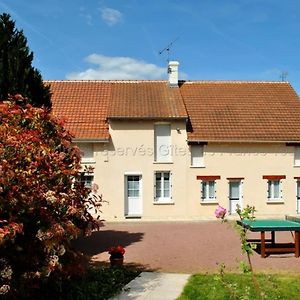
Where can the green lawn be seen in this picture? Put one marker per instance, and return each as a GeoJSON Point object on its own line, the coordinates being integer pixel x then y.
{"type": "Point", "coordinates": [210, 286]}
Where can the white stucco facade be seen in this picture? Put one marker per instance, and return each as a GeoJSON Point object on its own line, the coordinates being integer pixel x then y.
{"type": "Point", "coordinates": [130, 153]}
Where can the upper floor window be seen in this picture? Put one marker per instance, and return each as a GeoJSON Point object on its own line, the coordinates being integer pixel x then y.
{"type": "Point", "coordinates": [297, 156]}
{"type": "Point", "coordinates": [162, 143]}
{"type": "Point", "coordinates": [87, 152]}
{"type": "Point", "coordinates": [197, 156]}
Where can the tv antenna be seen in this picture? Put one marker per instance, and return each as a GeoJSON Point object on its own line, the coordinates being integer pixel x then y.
{"type": "Point", "coordinates": [283, 75]}
{"type": "Point", "coordinates": [168, 49]}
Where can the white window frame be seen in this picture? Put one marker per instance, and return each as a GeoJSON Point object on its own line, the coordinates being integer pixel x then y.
{"type": "Point", "coordinates": [83, 177]}
{"type": "Point", "coordinates": [205, 197]}
{"type": "Point", "coordinates": [197, 155]}
{"type": "Point", "coordinates": [162, 150]}
{"type": "Point", "coordinates": [163, 199]}
{"type": "Point", "coordinates": [297, 156]}
{"type": "Point", "coordinates": [271, 191]}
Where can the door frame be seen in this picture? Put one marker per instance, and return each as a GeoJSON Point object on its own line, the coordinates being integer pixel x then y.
{"type": "Point", "coordinates": [126, 202]}
{"type": "Point", "coordinates": [240, 181]}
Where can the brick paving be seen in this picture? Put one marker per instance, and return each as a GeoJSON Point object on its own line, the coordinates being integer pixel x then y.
{"type": "Point", "coordinates": [183, 247]}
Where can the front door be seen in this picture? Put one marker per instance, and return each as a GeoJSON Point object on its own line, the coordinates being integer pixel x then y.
{"type": "Point", "coordinates": [235, 195]}
{"type": "Point", "coordinates": [133, 190]}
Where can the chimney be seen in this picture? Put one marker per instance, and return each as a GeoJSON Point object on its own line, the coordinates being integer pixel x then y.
{"type": "Point", "coordinates": [173, 73]}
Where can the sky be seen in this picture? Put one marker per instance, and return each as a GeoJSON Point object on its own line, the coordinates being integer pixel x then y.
{"type": "Point", "coordinates": [122, 39]}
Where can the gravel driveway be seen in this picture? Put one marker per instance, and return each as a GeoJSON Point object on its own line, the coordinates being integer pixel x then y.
{"type": "Point", "coordinates": [184, 247]}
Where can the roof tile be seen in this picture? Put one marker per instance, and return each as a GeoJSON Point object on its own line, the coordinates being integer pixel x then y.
{"type": "Point", "coordinates": [83, 105]}
{"type": "Point", "coordinates": [146, 99]}
{"type": "Point", "coordinates": [242, 111]}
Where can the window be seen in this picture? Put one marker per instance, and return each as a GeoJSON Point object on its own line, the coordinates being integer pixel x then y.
{"type": "Point", "coordinates": [87, 179]}
{"type": "Point", "coordinates": [87, 152]}
{"type": "Point", "coordinates": [133, 186]}
{"type": "Point", "coordinates": [162, 143]}
{"type": "Point", "coordinates": [297, 156]}
{"type": "Point", "coordinates": [208, 190]}
{"type": "Point", "coordinates": [163, 187]}
{"type": "Point", "coordinates": [197, 156]}
{"type": "Point", "coordinates": [274, 189]}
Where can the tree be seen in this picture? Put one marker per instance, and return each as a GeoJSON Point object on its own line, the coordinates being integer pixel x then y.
{"type": "Point", "coordinates": [17, 75]}
{"type": "Point", "coordinates": [42, 206]}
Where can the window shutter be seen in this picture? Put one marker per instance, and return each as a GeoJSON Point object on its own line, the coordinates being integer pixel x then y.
{"type": "Point", "coordinates": [197, 155]}
{"type": "Point", "coordinates": [171, 185]}
{"type": "Point", "coordinates": [297, 156]}
{"type": "Point", "coordinates": [87, 152]}
{"type": "Point", "coordinates": [162, 134]}
{"type": "Point", "coordinates": [154, 191]}
{"type": "Point", "coordinates": [215, 189]}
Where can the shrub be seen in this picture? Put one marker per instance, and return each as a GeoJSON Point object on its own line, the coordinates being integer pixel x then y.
{"type": "Point", "coordinates": [42, 206]}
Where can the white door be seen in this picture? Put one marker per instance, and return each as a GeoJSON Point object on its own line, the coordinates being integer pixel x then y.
{"type": "Point", "coordinates": [298, 197]}
{"type": "Point", "coordinates": [134, 204]}
{"type": "Point", "coordinates": [235, 195]}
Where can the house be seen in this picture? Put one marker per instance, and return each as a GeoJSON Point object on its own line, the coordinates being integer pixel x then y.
{"type": "Point", "coordinates": [174, 150]}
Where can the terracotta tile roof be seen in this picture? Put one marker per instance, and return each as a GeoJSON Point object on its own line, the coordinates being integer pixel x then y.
{"type": "Point", "coordinates": [84, 105]}
{"type": "Point", "coordinates": [146, 99]}
{"type": "Point", "coordinates": [242, 111]}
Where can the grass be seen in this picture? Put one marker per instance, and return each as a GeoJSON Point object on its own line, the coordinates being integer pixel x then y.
{"type": "Point", "coordinates": [210, 286]}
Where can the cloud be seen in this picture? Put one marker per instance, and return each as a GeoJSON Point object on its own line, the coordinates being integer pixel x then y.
{"type": "Point", "coordinates": [85, 15]}
{"type": "Point", "coordinates": [106, 68]}
{"type": "Point", "coordinates": [111, 16]}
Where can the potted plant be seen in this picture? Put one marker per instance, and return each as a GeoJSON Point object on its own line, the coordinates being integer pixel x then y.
{"type": "Point", "coordinates": [116, 255]}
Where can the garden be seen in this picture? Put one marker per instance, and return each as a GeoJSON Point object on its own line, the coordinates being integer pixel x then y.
{"type": "Point", "coordinates": [44, 207]}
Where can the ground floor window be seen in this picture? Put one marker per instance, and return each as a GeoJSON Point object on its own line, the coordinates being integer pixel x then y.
{"type": "Point", "coordinates": [274, 189]}
{"type": "Point", "coordinates": [208, 190]}
{"type": "Point", "coordinates": [163, 186]}
{"type": "Point", "coordinates": [87, 179]}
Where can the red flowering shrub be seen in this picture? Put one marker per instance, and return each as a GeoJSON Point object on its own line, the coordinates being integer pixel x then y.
{"type": "Point", "coordinates": [42, 206]}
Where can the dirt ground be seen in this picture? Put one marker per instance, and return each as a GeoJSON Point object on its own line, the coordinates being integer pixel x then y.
{"type": "Point", "coordinates": [183, 247]}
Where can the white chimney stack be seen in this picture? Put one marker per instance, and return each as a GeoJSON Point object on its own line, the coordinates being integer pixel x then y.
{"type": "Point", "coordinates": [173, 73]}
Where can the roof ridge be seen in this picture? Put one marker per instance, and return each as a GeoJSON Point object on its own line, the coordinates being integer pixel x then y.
{"type": "Point", "coordinates": [103, 81]}
{"type": "Point", "coordinates": [233, 81]}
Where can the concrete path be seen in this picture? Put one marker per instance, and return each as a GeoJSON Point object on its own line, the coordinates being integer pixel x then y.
{"type": "Point", "coordinates": [154, 286]}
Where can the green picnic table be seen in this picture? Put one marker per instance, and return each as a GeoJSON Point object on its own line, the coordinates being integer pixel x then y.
{"type": "Point", "coordinates": [272, 226]}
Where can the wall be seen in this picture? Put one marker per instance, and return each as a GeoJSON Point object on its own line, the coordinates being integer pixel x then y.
{"type": "Point", "coordinates": [131, 150]}
{"type": "Point", "coordinates": [251, 162]}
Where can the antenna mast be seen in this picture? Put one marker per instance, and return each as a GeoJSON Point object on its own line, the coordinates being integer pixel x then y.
{"type": "Point", "coordinates": [168, 48]}
{"type": "Point", "coordinates": [283, 75]}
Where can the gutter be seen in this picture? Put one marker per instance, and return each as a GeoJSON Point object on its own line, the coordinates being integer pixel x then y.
{"type": "Point", "coordinates": [91, 140]}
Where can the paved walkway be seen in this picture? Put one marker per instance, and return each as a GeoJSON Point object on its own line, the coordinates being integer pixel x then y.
{"type": "Point", "coordinates": [154, 286]}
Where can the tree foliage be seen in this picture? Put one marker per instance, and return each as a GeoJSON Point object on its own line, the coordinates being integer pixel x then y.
{"type": "Point", "coordinates": [17, 76]}
{"type": "Point", "coordinates": [42, 206]}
